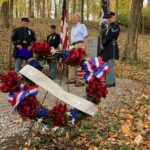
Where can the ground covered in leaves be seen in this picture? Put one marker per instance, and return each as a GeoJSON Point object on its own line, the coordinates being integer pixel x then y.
{"type": "Point", "coordinates": [141, 70]}
{"type": "Point", "coordinates": [122, 123]}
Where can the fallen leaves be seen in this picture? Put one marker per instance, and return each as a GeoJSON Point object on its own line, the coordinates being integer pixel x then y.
{"type": "Point", "coordinates": [138, 140]}
{"type": "Point", "coordinates": [126, 129]}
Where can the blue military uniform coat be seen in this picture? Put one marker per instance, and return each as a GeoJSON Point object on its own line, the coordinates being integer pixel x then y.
{"type": "Point", "coordinates": [109, 40]}
{"type": "Point", "coordinates": [22, 36]}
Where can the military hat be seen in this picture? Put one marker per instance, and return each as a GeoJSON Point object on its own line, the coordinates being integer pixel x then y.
{"type": "Point", "coordinates": [53, 27]}
{"type": "Point", "coordinates": [25, 20]}
{"type": "Point", "coordinates": [110, 14]}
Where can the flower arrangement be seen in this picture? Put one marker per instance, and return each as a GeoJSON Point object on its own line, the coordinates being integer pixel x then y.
{"type": "Point", "coordinates": [93, 72]}
{"type": "Point", "coordinates": [40, 48]}
{"type": "Point", "coordinates": [10, 82]}
{"type": "Point", "coordinates": [22, 98]}
{"type": "Point", "coordinates": [75, 56]}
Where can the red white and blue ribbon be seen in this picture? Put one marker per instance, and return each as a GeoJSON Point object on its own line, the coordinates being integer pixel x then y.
{"type": "Point", "coordinates": [101, 71]}
{"type": "Point", "coordinates": [16, 98]}
{"type": "Point", "coordinates": [88, 66]}
{"type": "Point", "coordinates": [96, 62]}
{"type": "Point", "coordinates": [95, 68]}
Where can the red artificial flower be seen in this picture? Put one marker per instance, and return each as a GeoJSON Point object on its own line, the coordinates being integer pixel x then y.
{"type": "Point", "coordinates": [97, 89]}
{"type": "Point", "coordinates": [76, 56]}
{"type": "Point", "coordinates": [10, 82]}
{"type": "Point", "coordinates": [58, 114]}
{"type": "Point", "coordinates": [28, 107]}
{"type": "Point", "coordinates": [40, 47]}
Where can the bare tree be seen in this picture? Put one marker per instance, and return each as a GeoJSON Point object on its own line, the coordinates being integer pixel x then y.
{"type": "Point", "coordinates": [74, 6]}
{"type": "Point", "coordinates": [5, 14]}
{"type": "Point", "coordinates": [30, 8]}
{"type": "Point", "coordinates": [130, 53]}
{"type": "Point", "coordinates": [87, 9]}
{"type": "Point", "coordinates": [82, 11]}
{"type": "Point", "coordinates": [43, 8]}
{"type": "Point", "coordinates": [56, 14]}
{"type": "Point", "coordinates": [116, 8]}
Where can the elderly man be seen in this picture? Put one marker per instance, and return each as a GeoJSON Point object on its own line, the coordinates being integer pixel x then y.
{"type": "Point", "coordinates": [79, 38]}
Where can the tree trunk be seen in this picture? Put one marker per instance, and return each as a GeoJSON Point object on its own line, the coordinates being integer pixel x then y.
{"type": "Point", "coordinates": [5, 14]}
{"type": "Point", "coordinates": [59, 9]}
{"type": "Point", "coordinates": [56, 15]}
{"type": "Point", "coordinates": [48, 8]}
{"type": "Point", "coordinates": [141, 23]}
{"type": "Point", "coordinates": [30, 8]}
{"type": "Point", "coordinates": [82, 11]}
{"type": "Point", "coordinates": [130, 53]}
{"type": "Point", "coordinates": [43, 8]}
{"type": "Point", "coordinates": [38, 9]}
{"type": "Point", "coordinates": [16, 12]}
{"type": "Point", "coordinates": [87, 9]}
{"type": "Point", "coordinates": [10, 28]}
{"type": "Point", "coordinates": [79, 5]}
{"type": "Point", "coordinates": [116, 8]}
{"type": "Point", "coordinates": [74, 6]}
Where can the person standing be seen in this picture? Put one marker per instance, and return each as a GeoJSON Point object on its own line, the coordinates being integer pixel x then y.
{"type": "Point", "coordinates": [110, 48]}
{"type": "Point", "coordinates": [78, 38]}
{"type": "Point", "coordinates": [21, 39]}
{"type": "Point", "coordinates": [53, 40]}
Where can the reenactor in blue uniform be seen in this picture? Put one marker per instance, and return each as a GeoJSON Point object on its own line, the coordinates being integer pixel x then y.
{"type": "Point", "coordinates": [53, 40]}
{"type": "Point", "coordinates": [110, 48]}
{"type": "Point", "coordinates": [22, 38]}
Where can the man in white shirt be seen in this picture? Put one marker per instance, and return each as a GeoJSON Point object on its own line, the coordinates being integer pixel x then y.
{"type": "Point", "coordinates": [79, 38]}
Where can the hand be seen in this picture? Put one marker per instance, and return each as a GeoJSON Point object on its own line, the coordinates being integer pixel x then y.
{"type": "Point", "coordinates": [102, 47]}
{"type": "Point", "coordinates": [83, 47]}
{"type": "Point", "coordinates": [29, 48]}
{"type": "Point", "coordinates": [19, 47]}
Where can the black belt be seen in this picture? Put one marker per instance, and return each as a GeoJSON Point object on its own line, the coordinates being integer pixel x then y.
{"type": "Point", "coordinates": [74, 43]}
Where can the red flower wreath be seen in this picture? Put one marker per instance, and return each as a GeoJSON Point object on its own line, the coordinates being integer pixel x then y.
{"type": "Point", "coordinates": [97, 89]}
{"type": "Point", "coordinates": [28, 108]}
{"type": "Point", "coordinates": [76, 56]}
{"type": "Point", "coordinates": [58, 114]}
{"type": "Point", "coordinates": [10, 82]}
{"type": "Point", "coordinates": [40, 47]}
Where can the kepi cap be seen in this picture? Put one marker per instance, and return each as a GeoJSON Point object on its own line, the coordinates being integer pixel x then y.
{"type": "Point", "coordinates": [110, 14]}
{"type": "Point", "coordinates": [25, 20]}
{"type": "Point", "coordinates": [53, 27]}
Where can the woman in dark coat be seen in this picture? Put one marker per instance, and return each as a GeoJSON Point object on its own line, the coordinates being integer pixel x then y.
{"type": "Point", "coordinates": [110, 48]}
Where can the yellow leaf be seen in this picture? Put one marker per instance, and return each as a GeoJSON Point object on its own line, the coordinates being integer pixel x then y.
{"type": "Point", "coordinates": [126, 129]}
{"type": "Point", "coordinates": [25, 148]}
{"type": "Point", "coordinates": [138, 140]}
{"type": "Point", "coordinates": [95, 148]}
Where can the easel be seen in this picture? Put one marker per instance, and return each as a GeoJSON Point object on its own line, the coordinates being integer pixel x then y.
{"type": "Point", "coordinates": [32, 122]}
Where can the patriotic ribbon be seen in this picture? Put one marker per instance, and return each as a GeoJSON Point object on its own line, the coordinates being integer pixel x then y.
{"type": "Point", "coordinates": [95, 68]}
{"type": "Point", "coordinates": [16, 98]}
{"type": "Point", "coordinates": [97, 62]}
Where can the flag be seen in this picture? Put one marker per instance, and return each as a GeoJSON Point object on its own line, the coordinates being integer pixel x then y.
{"type": "Point", "coordinates": [102, 24]}
{"type": "Point", "coordinates": [64, 28]}
{"type": "Point", "coordinates": [104, 13]}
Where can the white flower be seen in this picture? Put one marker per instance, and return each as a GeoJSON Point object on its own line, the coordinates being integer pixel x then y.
{"type": "Point", "coordinates": [55, 129]}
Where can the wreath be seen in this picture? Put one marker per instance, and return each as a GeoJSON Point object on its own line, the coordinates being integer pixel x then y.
{"type": "Point", "coordinates": [22, 95]}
